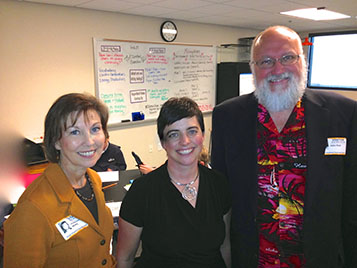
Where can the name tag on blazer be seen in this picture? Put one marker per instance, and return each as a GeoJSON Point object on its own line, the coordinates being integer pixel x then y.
{"type": "Point", "coordinates": [70, 226]}
{"type": "Point", "coordinates": [336, 146]}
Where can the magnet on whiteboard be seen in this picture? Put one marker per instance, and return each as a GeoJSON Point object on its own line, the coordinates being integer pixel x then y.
{"type": "Point", "coordinates": [137, 116]}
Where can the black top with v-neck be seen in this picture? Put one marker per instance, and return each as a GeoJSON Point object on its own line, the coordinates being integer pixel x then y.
{"type": "Point", "coordinates": [175, 234]}
{"type": "Point", "coordinates": [87, 191]}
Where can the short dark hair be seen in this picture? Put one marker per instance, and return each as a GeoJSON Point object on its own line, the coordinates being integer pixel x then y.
{"type": "Point", "coordinates": [176, 109]}
{"type": "Point", "coordinates": [70, 105]}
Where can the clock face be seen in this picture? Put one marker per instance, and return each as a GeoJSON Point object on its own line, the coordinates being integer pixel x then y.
{"type": "Point", "coordinates": [168, 31]}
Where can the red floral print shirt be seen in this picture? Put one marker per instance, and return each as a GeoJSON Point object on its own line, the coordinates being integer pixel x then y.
{"type": "Point", "coordinates": [281, 187]}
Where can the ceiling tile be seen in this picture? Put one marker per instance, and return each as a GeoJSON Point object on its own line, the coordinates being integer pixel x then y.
{"type": "Point", "coordinates": [253, 14]}
{"type": "Point", "coordinates": [151, 11]}
{"type": "Point", "coordinates": [109, 5]}
{"type": "Point", "coordinates": [182, 4]}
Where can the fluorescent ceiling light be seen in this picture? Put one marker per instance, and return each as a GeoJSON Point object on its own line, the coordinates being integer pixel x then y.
{"type": "Point", "coordinates": [319, 13]}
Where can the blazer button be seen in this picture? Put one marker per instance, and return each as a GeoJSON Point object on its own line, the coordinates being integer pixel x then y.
{"type": "Point", "coordinates": [102, 242]}
{"type": "Point", "coordinates": [104, 262]}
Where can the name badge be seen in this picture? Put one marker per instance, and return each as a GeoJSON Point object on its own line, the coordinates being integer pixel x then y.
{"type": "Point", "coordinates": [336, 146]}
{"type": "Point", "coordinates": [69, 226]}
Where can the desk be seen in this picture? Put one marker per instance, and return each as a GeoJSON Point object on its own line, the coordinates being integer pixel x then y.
{"type": "Point", "coordinates": [117, 192]}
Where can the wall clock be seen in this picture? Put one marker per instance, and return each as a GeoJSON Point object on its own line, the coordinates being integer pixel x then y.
{"type": "Point", "coordinates": [168, 31]}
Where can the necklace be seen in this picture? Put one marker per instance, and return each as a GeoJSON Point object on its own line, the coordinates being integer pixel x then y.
{"type": "Point", "coordinates": [88, 199]}
{"type": "Point", "coordinates": [189, 192]}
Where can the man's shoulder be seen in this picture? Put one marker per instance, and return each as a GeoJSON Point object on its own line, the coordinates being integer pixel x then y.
{"type": "Point", "coordinates": [329, 99]}
{"type": "Point", "coordinates": [113, 147]}
{"type": "Point", "coordinates": [113, 152]}
{"type": "Point", "coordinates": [326, 96]}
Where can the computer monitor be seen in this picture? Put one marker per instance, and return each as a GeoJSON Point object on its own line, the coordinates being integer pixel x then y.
{"type": "Point", "coordinates": [246, 83]}
{"type": "Point", "coordinates": [332, 57]}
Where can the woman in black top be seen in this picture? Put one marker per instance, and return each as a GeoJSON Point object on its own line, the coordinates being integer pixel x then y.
{"type": "Point", "coordinates": [181, 210]}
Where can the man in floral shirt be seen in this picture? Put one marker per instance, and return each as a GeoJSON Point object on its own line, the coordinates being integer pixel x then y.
{"type": "Point", "coordinates": [290, 154]}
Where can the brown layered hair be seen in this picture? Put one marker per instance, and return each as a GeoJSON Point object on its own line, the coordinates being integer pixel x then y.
{"type": "Point", "coordinates": [70, 106]}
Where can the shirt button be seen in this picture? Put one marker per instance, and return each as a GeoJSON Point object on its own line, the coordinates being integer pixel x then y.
{"type": "Point", "coordinates": [104, 262]}
{"type": "Point", "coordinates": [102, 242]}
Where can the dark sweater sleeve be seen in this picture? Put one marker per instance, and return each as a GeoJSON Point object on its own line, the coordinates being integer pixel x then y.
{"type": "Point", "coordinates": [133, 205]}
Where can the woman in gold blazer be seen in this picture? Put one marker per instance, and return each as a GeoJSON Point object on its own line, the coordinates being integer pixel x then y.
{"type": "Point", "coordinates": [61, 219]}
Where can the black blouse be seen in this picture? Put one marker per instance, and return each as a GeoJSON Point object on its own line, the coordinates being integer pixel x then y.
{"type": "Point", "coordinates": [175, 234]}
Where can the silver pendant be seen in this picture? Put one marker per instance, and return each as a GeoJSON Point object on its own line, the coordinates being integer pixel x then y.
{"type": "Point", "coordinates": [189, 193]}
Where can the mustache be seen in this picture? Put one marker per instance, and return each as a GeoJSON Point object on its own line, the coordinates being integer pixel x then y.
{"type": "Point", "coordinates": [283, 97]}
{"type": "Point", "coordinates": [277, 77]}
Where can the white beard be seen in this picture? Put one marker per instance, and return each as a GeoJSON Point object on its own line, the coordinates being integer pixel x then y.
{"type": "Point", "coordinates": [281, 99]}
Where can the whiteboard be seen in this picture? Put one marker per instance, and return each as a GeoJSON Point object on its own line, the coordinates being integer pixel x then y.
{"type": "Point", "coordinates": [134, 77]}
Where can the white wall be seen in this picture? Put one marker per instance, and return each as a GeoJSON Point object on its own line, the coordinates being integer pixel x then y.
{"type": "Point", "coordinates": [46, 51]}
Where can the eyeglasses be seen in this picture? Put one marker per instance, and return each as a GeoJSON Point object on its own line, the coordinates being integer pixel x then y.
{"type": "Point", "coordinates": [285, 60]}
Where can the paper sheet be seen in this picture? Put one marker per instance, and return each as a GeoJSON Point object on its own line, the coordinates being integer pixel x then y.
{"type": "Point", "coordinates": [108, 176]}
{"type": "Point", "coordinates": [114, 207]}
